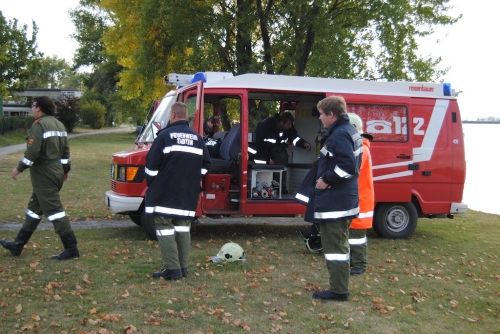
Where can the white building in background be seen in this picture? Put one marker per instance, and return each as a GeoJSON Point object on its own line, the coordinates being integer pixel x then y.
{"type": "Point", "coordinates": [16, 109]}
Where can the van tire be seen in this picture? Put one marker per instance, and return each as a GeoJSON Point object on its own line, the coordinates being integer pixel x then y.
{"type": "Point", "coordinates": [148, 225]}
{"type": "Point", "coordinates": [136, 216]}
{"type": "Point", "coordinates": [395, 220]}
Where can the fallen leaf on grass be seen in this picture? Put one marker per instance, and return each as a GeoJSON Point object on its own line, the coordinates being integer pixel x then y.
{"type": "Point", "coordinates": [19, 308]}
{"type": "Point", "coordinates": [86, 279]}
{"type": "Point", "coordinates": [130, 329]}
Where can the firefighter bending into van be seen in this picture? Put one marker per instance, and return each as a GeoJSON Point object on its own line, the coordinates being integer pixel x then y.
{"type": "Point", "coordinates": [333, 198]}
{"type": "Point", "coordinates": [47, 157]}
{"type": "Point", "coordinates": [175, 164]}
{"type": "Point", "coordinates": [271, 136]}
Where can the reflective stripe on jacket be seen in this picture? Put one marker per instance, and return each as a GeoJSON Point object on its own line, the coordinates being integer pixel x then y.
{"type": "Point", "coordinates": [174, 166]}
{"type": "Point", "coordinates": [338, 165]}
{"type": "Point", "coordinates": [47, 144]}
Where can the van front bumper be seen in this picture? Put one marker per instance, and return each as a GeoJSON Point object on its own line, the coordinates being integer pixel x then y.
{"type": "Point", "coordinates": [119, 204]}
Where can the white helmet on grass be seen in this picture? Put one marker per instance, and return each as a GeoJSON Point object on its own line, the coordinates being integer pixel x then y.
{"type": "Point", "coordinates": [231, 252]}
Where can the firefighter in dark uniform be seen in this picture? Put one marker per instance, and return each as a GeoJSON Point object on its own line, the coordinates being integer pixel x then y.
{"type": "Point", "coordinates": [47, 157]}
{"type": "Point", "coordinates": [334, 198]}
{"type": "Point", "coordinates": [271, 137]}
{"type": "Point", "coordinates": [175, 164]}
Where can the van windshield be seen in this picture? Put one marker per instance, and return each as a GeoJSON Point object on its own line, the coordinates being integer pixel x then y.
{"type": "Point", "coordinates": [158, 121]}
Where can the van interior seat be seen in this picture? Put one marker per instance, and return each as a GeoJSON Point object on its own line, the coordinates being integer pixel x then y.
{"type": "Point", "coordinates": [219, 135]}
{"type": "Point", "coordinates": [229, 150]}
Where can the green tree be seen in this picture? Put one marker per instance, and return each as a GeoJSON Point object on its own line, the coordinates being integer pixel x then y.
{"type": "Point", "coordinates": [365, 39]}
{"type": "Point", "coordinates": [17, 52]}
{"type": "Point", "coordinates": [55, 73]}
{"type": "Point", "coordinates": [90, 23]}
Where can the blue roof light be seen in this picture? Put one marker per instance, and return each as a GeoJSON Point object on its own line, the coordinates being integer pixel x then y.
{"type": "Point", "coordinates": [447, 89]}
{"type": "Point", "coordinates": [199, 76]}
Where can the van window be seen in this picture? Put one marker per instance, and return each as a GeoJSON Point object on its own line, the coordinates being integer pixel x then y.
{"type": "Point", "coordinates": [383, 122]}
{"type": "Point", "coordinates": [158, 120]}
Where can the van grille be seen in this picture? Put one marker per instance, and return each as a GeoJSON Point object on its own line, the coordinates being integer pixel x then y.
{"type": "Point", "coordinates": [112, 185]}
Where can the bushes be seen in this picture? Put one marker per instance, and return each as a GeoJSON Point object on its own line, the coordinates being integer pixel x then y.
{"type": "Point", "coordinates": [93, 113]}
{"type": "Point", "coordinates": [11, 123]}
{"type": "Point", "coordinates": [68, 112]}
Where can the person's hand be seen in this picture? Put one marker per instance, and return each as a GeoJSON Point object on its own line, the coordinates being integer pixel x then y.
{"type": "Point", "coordinates": [14, 173]}
{"type": "Point", "coordinates": [65, 178]}
{"type": "Point", "coordinates": [271, 162]}
{"type": "Point", "coordinates": [307, 146]}
{"type": "Point", "coordinates": [320, 184]}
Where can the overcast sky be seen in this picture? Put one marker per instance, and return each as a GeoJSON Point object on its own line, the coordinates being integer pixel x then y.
{"type": "Point", "coordinates": [468, 47]}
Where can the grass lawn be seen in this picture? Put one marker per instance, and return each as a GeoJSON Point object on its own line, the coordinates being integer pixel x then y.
{"type": "Point", "coordinates": [444, 279]}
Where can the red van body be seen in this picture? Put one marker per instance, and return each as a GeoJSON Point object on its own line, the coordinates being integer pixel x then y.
{"type": "Point", "coordinates": [417, 150]}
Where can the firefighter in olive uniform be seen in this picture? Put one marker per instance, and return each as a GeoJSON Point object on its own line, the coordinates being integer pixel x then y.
{"type": "Point", "coordinates": [175, 164]}
{"type": "Point", "coordinates": [47, 157]}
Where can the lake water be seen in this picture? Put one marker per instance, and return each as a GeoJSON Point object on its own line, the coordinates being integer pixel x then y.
{"type": "Point", "coordinates": [482, 183]}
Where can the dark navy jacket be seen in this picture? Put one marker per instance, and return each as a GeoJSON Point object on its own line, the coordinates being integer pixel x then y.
{"type": "Point", "coordinates": [338, 165]}
{"type": "Point", "coordinates": [175, 164]}
{"type": "Point", "coordinates": [268, 134]}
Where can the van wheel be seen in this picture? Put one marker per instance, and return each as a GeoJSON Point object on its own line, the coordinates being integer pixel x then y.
{"type": "Point", "coordinates": [136, 216]}
{"type": "Point", "coordinates": [395, 220]}
{"type": "Point", "coordinates": [148, 225]}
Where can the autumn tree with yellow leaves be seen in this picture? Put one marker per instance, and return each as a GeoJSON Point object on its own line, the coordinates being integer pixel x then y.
{"type": "Point", "coordinates": [364, 39]}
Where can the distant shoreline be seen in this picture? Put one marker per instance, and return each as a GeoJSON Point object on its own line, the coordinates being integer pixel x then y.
{"type": "Point", "coordinates": [481, 122]}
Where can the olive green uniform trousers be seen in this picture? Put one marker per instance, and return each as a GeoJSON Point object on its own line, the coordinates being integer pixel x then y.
{"type": "Point", "coordinates": [335, 242]}
{"type": "Point", "coordinates": [359, 247]}
{"type": "Point", "coordinates": [47, 180]}
{"type": "Point", "coordinates": [174, 237]}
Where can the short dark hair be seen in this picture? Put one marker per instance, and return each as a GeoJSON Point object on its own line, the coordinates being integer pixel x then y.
{"type": "Point", "coordinates": [46, 105]}
{"type": "Point", "coordinates": [333, 104]}
{"type": "Point", "coordinates": [287, 117]}
{"type": "Point", "coordinates": [210, 119]}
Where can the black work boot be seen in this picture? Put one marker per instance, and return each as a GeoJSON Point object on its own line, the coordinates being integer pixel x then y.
{"type": "Point", "coordinates": [16, 246]}
{"type": "Point", "coordinates": [329, 295]}
{"type": "Point", "coordinates": [169, 274]}
{"type": "Point", "coordinates": [70, 251]}
{"type": "Point", "coordinates": [184, 272]}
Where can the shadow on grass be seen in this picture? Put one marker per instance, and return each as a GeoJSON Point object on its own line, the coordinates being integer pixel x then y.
{"type": "Point", "coordinates": [242, 231]}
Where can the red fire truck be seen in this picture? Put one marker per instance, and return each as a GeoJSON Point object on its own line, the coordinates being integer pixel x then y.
{"type": "Point", "coordinates": [417, 149]}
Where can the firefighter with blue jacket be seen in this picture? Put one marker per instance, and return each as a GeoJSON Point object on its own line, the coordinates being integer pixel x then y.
{"type": "Point", "coordinates": [175, 164]}
{"type": "Point", "coordinates": [334, 199]}
{"type": "Point", "coordinates": [48, 159]}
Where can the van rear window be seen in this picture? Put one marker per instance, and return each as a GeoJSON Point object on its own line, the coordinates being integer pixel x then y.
{"type": "Point", "coordinates": [383, 122]}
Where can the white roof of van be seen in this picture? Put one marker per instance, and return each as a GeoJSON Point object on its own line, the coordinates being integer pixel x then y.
{"type": "Point", "coordinates": [325, 85]}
